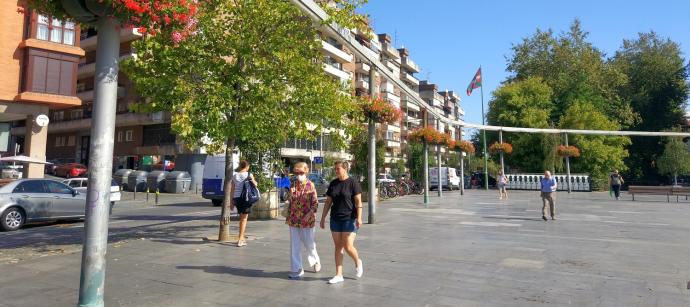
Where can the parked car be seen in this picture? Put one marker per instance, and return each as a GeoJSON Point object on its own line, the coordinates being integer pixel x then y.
{"type": "Point", "coordinates": [50, 168]}
{"type": "Point", "coordinates": [71, 170]}
{"type": "Point", "coordinates": [385, 178]}
{"type": "Point", "coordinates": [170, 166]}
{"type": "Point", "coordinates": [33, 200]}
{"type": "Point", "coordinates": [320, 184]}
{"type": "Point", "coordinates": [10, 171]}
{"type": "Point", "coordinates": [82, 184]}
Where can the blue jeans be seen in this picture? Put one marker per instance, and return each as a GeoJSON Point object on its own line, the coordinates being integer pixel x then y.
{"type": "Point", "coordinates": [343, 226]}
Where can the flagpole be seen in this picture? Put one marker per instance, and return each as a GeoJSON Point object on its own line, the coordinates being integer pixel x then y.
{"type": "Point", "coordinates": [486, 161]}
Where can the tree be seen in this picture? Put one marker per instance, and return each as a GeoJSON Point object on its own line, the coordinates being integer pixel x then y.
{"type": "Point", "coordinates": [675, 160]}
{"type": "Point", "coordinates": [657, 90]}
{"type": "Point", "coordinates": [415, 160]}
{"type": "Point", "coordinates": [359, 150]}
{"type": "Point", "coordinates": [600, 154]}
{"type": "Point", "coordinates": [250, 78]}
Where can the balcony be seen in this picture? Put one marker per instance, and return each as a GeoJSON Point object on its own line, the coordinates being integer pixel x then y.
{"type": "Point", "coordinates": [410, 65]}
{"type": "Point", "coordinates": [363, 68]}
{"type": "Point", "coordinates": [337, 54]}
{"type": "Point", "coordinates": [390, 51]}
{"type": "Point", "coordinates": [461, 111]}
{"type": "Point", "coordinates": [387, 87]}
{"type": "Point", "coordinates": [391, 128]}
{"type": "Point", "coordinates": [393, 143]}
{"type": "Point", "coordinates": [362, 84]}
{"type": "Point", "coordinates": [336, 72]}
{"type": "Point", "coordinates": [411, 106]}
{"type": "Point", "coordinates": [87, 70]}
{"type": "Point", "coordinates": [408, 78]}
{"type": "Point", "coordinates": [395, 99]}
{"type": "Point", "coordinates": [126, 35]}
{"type": "Point", "coordinates": [87, 96]}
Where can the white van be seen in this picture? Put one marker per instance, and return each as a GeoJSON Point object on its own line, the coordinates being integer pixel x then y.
{"type": "Point", "coordinates": [449, 178]}
{"type": "Point", "coordinates": [214, 177]}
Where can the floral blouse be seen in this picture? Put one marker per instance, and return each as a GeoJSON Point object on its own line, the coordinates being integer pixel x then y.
{"type": "Point", "coordinates": [303, 205]}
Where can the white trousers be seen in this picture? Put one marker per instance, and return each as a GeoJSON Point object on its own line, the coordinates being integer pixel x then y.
{"type": "Point", "coordinates": [302, 237]}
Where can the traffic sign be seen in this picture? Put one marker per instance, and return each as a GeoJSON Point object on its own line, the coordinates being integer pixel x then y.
{"type": "Point", "coordinates": [318, 160]}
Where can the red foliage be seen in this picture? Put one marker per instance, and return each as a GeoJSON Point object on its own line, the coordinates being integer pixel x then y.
{"type": "Point", "coordinates": [501, 147]}
{"type": "Point", "coordinates": [568, 151]}
{"type": "Point", "coordinates": [381, 111]}
{"type": "Point", "coordinates": [428, 134]}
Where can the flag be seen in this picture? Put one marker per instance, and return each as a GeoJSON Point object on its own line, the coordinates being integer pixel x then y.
{"type": "Point", "coordinates": [476, 82]}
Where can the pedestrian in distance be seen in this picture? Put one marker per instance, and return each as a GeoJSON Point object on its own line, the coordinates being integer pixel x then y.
{"type": "Point", "coordinates": [615, 182]}
{"type": "Point", "coordinates": [303, 202]}
{"type": "Point", "coordinates": [548, 187]}
{"type": "Point", "coordinates": [344, 202]}
{"type": "Point", "coordinates": [501, 182]}
{"type": "Point", "coordinates": [238, 179]}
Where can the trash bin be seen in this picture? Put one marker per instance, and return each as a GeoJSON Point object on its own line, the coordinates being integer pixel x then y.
{"type": "Point", "coordinates": [156, 181]}
{"type": "Point", "coordinates": [177, 182]}
{"type": "Point", "coordinates": [121, 176]}
{"type": "Point", "coordinates": [137, 179]}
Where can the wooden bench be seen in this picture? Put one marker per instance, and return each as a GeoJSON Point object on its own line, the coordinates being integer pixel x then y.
{"type": "Point", "coordinates": [650, 190]}
{"type": "Point", "coordinates": [680, 191]}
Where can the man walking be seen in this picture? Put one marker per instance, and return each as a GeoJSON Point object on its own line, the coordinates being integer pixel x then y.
{"type": "Point", "coordinates": [548, 187]}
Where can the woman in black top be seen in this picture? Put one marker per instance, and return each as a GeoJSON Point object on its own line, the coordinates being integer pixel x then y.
{"type": "Point", "coordinates": [344, 201]}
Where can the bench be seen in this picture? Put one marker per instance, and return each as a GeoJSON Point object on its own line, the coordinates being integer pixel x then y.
{"type": "Point", "coordinates": [680, 191]}
{"type": "Point", "coordinates": [650, 190]}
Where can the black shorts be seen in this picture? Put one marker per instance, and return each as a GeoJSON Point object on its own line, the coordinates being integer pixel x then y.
{"type": "Point", "coordinates": [241, 208]}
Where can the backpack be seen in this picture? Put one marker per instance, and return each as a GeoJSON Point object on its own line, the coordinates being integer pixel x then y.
{"type": "Point", "coordinates": [250, 193]}
{"type": "Point", "coordinates": [615, 179]}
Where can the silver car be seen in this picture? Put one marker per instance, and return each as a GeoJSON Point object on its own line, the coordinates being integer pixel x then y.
{"type": "Point", "coordinates": [34, 200]}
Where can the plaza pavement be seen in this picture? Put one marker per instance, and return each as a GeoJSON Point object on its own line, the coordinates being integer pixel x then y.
{"type": "Point", "coordinates": [470, 250]}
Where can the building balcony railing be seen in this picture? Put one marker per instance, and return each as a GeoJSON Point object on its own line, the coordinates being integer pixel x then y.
{"type": "Point", "coordinates": [337, 73]}
{"type": "Point", "coordinates": [363, 68]}
{"type": "Point", "coordinates": [88, 42]}
{"type": "Point", "coordinates": [394, 99]}
{"type": "Point", "coordinates": [408, 78]}
{"type": "Point", "coordinates": [337, 54]}
{"type": "Point", "coordinates": [87, 70]}
{"type": "Point", "coordinates": [390, 51]}
{"type": "Point", "coordinates": [410, 65]}
{"type": "Point", "coordinates": [362, 84]}
{"type": "Point", "coordinates": [410, 106]}
{"type": "Point", "coordinates": [87, 96]}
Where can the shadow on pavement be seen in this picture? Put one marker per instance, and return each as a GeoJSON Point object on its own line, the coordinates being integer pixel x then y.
{"type": "Point", "coordinates": [538, 219]}
{"type": "Point", "coordinates": [217, 269]}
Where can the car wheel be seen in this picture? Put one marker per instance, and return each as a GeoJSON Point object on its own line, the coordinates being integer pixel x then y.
{"type": "Point", "coordinates": [217, 202]}
{"type": "Point", "coordinates": [12, 219]}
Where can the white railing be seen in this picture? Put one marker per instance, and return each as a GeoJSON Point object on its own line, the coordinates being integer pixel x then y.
{"type": "Point", "coordinates": [578, 182]}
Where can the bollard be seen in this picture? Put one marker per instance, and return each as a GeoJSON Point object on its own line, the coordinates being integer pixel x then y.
{"type": "Point", "coordinates": [147, 194]}
{"type": "Point", "coordinates": [157, 193]}
{"type": "Point", "coordinates": [135, 191]}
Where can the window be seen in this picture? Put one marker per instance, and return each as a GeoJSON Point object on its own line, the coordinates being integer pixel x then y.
{"type": "Point", "coordinates": [56, 31]}
{"type": "Point", "coordinates": [77, 114]}
{"type": "Point", "coordinates": [119, 136]}
{"type": "Point", "coordinates": [70, 140]}
{"type": "Point", "coordinates": [75, 183]}
{"type": "Point", "coordinates": [58, 116]}
{"type": "Point", "coordinates": [129, 136]}
{"type": "Point", "coordinates": [390, 135]}
{"type": "Point", "coordinates": [57, 188]}
{"type": "Point", "coordinates": [42, 28]}
{"type": "Point", "coordinates": [32, 186]}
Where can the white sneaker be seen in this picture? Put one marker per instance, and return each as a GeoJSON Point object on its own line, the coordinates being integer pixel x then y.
{"type": "Point", "coordinates": [317, 267]}
{"type": "Point", "coordinates": [360, 269]}
{"type": "Point", "coordinates": [296, 275]}
{"type": "Point", "coordinates": [336, 280]}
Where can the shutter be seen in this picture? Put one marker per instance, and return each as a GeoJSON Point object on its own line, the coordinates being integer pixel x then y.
{"type": "Point", "coordinates": [38, 82]}
{"type": "Point", "coordinates": [66, 76]}
{"type": "Point", "coordinates": [53, 77]}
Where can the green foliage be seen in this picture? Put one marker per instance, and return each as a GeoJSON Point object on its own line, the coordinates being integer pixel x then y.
{"type": "Point", "coordinates": [253, 74]}
{"type": "Point", "coordinates": [415, 160]}
{"type": "Point", "coordinates": [360, 152]}
{"type": "Point", "coordinates": [398, 168]}
{"type": "Point", "coordinates": [675, 160]}
{"type": "Point", "coordinates": [600, 154]}
{"type": "Point", "coordinates": [657, 90]}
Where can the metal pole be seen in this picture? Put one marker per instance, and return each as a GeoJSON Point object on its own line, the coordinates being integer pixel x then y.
{"type": "Point", "coordinates": [372, 155]}
{"type": "Point", "coordinates": [438, 159]}
{"type": "Point", "coordinates": [486, 159]}
{"type": "Point", "coordinates": [426, 173]}
{"type": "Point", "coordinates": [462, 173]}
{"type": "Point", "coordinates": [500, 139]}
{"type": "Point", "coordinates": [567, 164]}
{"type": "Point", "coordinates": [92, 281]}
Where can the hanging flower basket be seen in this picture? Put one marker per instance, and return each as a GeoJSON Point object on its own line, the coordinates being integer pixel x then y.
{"type": "Point", "coordinates": [567, 151]}
{"type": "Point", "coordinates": [174, 17]}
{"type": "Point", "coordinates": [464, 146]}
{"type": "Point", "coordinates": [381, 111]}
{"type": "Point", "coordinates": [501, 147]}
{"type": "Point", "coordinates": [428, 134]}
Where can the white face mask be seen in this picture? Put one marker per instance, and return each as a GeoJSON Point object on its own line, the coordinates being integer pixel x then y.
{"type": "Point", "coordinates": [302, 178]}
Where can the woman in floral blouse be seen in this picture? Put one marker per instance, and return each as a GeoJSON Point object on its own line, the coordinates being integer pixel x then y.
{"type": "Point", "coordinates": [303, 204]}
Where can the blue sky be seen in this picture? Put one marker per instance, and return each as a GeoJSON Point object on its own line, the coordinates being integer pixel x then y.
{"type": "Point", "coordinates": [449, 39]}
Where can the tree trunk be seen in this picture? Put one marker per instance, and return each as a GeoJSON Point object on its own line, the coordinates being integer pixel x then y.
{"type": "Point", "coordinates": [675, 179]}
{"type": "Point", "coordinates": [224, 231]}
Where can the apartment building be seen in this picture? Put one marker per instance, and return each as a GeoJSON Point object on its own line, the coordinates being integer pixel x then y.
{"type": "Point", "coordinates": [39, 56]}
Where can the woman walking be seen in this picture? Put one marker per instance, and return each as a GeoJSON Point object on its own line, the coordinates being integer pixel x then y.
{"type": "Point", "coordinates": [344, 201]}
{"type": "Point", "coordinates": [615, 182]}
{"type": "Point", "coordinates": [501, 183]}
{"type": "Point", "coordinates": [241, 174]}
{"type": "Point", "coordinates": [302, 205]}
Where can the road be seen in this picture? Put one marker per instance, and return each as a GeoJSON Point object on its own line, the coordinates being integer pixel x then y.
{"type": "Point", "coordinates": [127, 223]}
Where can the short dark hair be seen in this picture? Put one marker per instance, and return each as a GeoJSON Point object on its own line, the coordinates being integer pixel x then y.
{"type": "Point", "coordinates": [342, 164]}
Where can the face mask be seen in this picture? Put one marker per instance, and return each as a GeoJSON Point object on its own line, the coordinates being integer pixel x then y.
{"type": "Point", "coordinates": [302, 178]}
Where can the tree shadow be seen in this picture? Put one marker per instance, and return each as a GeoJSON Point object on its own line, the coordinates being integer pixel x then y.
{"type": "Point", "coordinates": [217, 269]}
{"type": "Point", "coordinates": [513, 218]}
